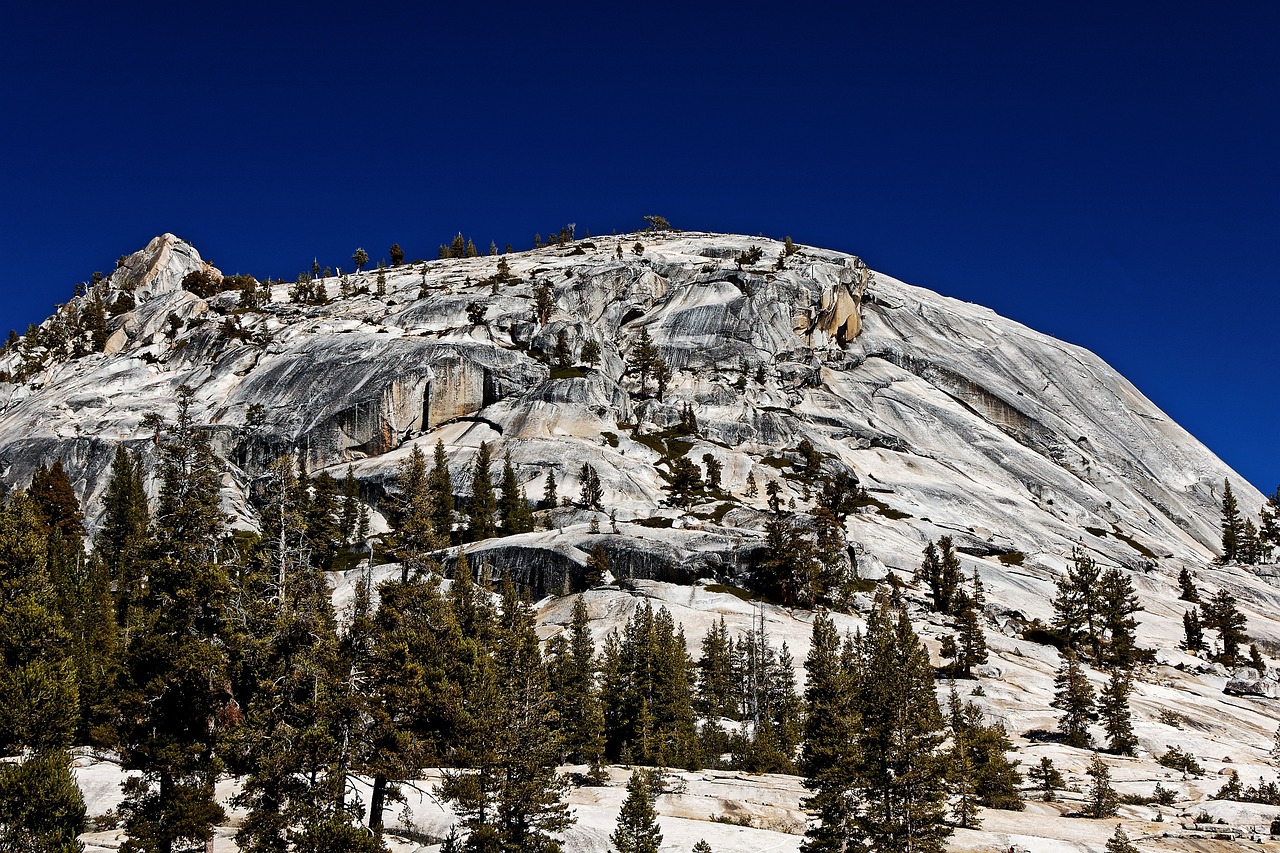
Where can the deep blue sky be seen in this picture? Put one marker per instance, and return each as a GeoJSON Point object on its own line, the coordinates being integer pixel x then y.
{"type": "Point", "coordinates": [1105, 172]}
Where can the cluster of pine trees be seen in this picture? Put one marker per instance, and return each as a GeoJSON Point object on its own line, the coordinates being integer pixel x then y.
{"type": "Point", "coordinates": [1242, 540]}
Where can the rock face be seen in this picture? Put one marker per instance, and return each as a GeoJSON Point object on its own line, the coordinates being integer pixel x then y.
{"type": "Point", "coordinates": [958, 421]}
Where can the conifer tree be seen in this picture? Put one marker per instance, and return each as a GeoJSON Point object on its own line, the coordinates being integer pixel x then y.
{"type": "Point", "coordinates": [482, 508]}
{"type": "Point", "coordinates": [1101, 800]}
{"type": "Point", "coordinates": [550, 500]}
{"type": "Point", "coordinates": [41, 808]}
{"type": "Point", "coordinates": [1119, 842]}
{"type": "Point", "coordinates": [1076, 607]}
{"type": "Point", "coordinates": [985, 763]}
{"type": "Point", "coordinates": [1193, 632]}
{"type": "Point", "coordinates": [717, 687]}
{"type": "Point", "coordinates": [591, 492]}
{"type": "Point", "coordinates": [597, 567]}
{"type": "Point", "coordinates": [900, 775]}
{"type": "Point", "coordinates": [1117, 603]}
{"type": "Point", "coordinates": [413, 517]}
{"type": "Point", "coordinates": [513, 508]}
{"type": "Point", "coordinates": [828, 760]}
{"type": "Point", "coordinates": [972, 649]}
{"type": "Point", "coordinates": [642, 357]}
{"type": "Point", "coordinates": [509, 795]}
{"type": "Point", "coordinates": [122, 539]}
{"type": "Point", "coordinates": [637, 828]}
{"type": "Point", "coordinates": [350, 507]}
{"type": "Point", "coordinates": [647, 692]}
{"type": "Point", "coordinates": [1222, 614]}
{"type": "Point", "coordinates": [1114, 710]}
{"type": "Point", "coordinates": [38, 690]}
{"type": "Point", "coordinates": [176, 684]}
{"type": "Point", "coordinates": [1231, 526]}
{"type": "Point", "coordinates": [572, 676]}
{"type": "Point", "coordinates": [440, 487]}
{"type": "Point", "coordinates": [1074, 697]}
{"type": "Point", "coordinates": [1047, 778]}
{"type": "Point", "coordinates": [1187, 585]}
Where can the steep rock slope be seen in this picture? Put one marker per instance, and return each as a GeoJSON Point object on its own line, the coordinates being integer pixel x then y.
{"type": "Point", "coordinates": [957, 421]}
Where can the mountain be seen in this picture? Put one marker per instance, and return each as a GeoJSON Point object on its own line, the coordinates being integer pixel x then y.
{"type": "Point", "coordinates": [955, 421]}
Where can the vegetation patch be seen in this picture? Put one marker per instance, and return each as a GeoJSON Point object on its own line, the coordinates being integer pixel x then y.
{"type": "Point", "coordinates": [1011, 558]}
{"type": "Point", "coordinates": [611, 438]}
{"type": "Point", "coordinates": [1135, 544]}
{"type": "Point", "coordinates": [658, 522]}
{"type": "Point", "coordinates": [561, 371]}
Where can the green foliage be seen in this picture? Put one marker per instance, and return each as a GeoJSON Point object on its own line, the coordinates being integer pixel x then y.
{"type": "Point", "coordinates": [1116, 718]}
{"type": "Point", "coordinates": [39, 694]}
{"type": "Point", "coordinates": [1193, 632]}
{"type": "Point", "coordinates": [1101, 800]}
{"type": "Point", "coordinates": [440, 491]}
{"type": "Point", "coordinates": [590, 352]}
{"type": "Point", "coordinates": [397, 255]}
{"type": "Point", "coordinates": [646, 688]}
{"type": "Point", "coordinates": [749, 257]}
{"type": "Point", "coordinates": [1179, 759]}
{"type": "Point", "coordinates": [41, 809]}
{"type": "Point", "coordinates": [514, 512]}
{"type": "Point", "coordinates": [591, 492]}
{"type": "Point", "coordinates": [637, 828]}
{"type": "Point", "coordinates": [1074, 697]}
{"type": "Point", "coordinates": [1223, 615]}
{"type": "Point", "coordinates": [571, 675]}
{"type": "Point", "coordinates": [360, 259]}
{"type": "Point", "coordinates": [1047, 778]}
{"type": "Point", "coordinates": [483, 506]}
{"type": "Point", "coordinates": [1232, 529]}
{"type": "Point", "coordinates": [643, 357]}
{"type": "Point", "coordinates": [1120, 843]}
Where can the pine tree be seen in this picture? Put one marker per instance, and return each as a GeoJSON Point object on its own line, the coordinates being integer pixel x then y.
{"type": "Point", "coordinates": [561, 352]}
{"type": "Point", "coordinates": [701, 847]}
{"type": "Point", "coordinates": [513, 508]}
{"type": "Point", "coordinates": [509, 796]}
{"type": "Point", "coordinates": [685, 481]}
{"type": "Point", "coordinates": [986, 766]}
{"type": "Point", "coordinates": [350, 507]}
{"type": "Point", "coordinates": [716, 677]}
{"type": "Point", "coordinates": [590, 352]}
{"type": "Point", "coordinates": [591, 492]}
{"type": "Point", "coordinates": [752, 488]}
{"type": "Point", "coordinates": [1101, 800]}
{"type": "Point", "coordinates": [642, 357]}
{"type": "Point", "coordinates": [1117, 603]}
{"type": "Point", "coordinates": [1222, 614]}
{"type": "Point", "coordinates": [1231, 526]}
{"type": "Point", "coordinates": [38, 690]}
{"type": "Point", "coordinates": [828, 760]}
{"type": "Point", "coordinates": [1193, 632]}
{"type": "Point", "coordinates": [1074, 696]}
{"type": "Point", "coordinates": [544, 302]}
{"type": "Point", "coordinates": [900, 774]}
{"type": "Point", "coordinates": [483, 506]}
{"type": "Point", "coordinates": [662, 375]}
{"type": "Point", "coordinates": [122, 539]}
{"type": "Point", "coordinates": [413, 519]}
{"type": "Point", "coordinates": [972, 649]}
{"type": "Point", "coordinates": [440, 487]}
{"type": "Point", "coordinates": [572, 678]}
{"type": "Point", "coordinates": [397, 255]}
{"type": "Point", "coordinates": [714, 468]}
{"type": "Point", "coordinates": [41, 808]}
{"type": "Point", "coordinates": [1077, 605]}
{"type": "Point", "coordinates": [550, 500]}
{"type": "Point", "coordinates": [597, 567]}
{"type": "Point", "coordinates": [1119, 842]}
{"type": "Point", "coordinates": [176, 684]}
{"type": "Point", "coordinates": [637, 829]}
{"type": "Point", "coordinates": [1114, 710]}
{"type": "Point", "coordinates": [1187, 585]}
{"type": "Point", "coordinates": [1047, 778]}
{"type": "Point", "coordinates": [360, 258]}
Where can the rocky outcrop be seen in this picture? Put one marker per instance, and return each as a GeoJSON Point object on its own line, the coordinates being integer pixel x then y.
{"type": "Point", "coordinates": [960, 422]}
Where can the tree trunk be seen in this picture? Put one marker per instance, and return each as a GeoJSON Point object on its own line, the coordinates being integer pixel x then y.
{"type": "Point", "coordinates": [377, 801]}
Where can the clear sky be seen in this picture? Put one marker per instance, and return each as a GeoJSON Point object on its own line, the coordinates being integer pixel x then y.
{"type": "Point", "coordinates": [1108, 173]}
